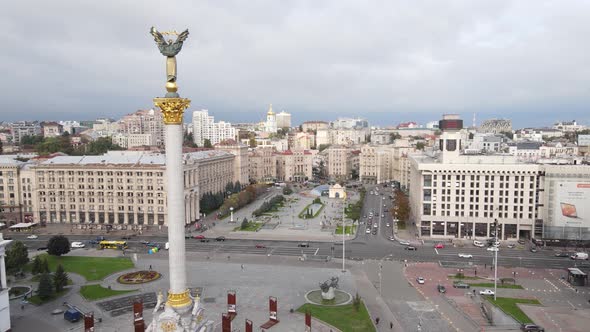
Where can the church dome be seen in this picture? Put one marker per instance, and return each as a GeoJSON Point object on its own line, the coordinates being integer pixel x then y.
{"type": "Point", "coordinates": [270, 112]}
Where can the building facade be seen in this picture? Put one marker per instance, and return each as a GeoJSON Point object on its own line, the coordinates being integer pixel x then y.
{"type": "Point", "coordinates": [24, 128]}
{"type": "Point", "coordinates": [283, 120]}
{"type": "Point", "coordinates": [270, 126]}
{"type": "Point", "coordinates": [294, 166]}
{"type": "Point", "coordinates": [143, 122]}
{"type": "Point", "coordinates": [51, 129]}
{"type": "Point", "coordinates": [205, 128]}
{"type": "Point", "coordinates": [241, 160]}
{"type": "Point", "coordinates": [263, 165]}
{"type": "Point", "coordinates": [10, 190]}
{"type": "Point", "coordinates": [339, 162]}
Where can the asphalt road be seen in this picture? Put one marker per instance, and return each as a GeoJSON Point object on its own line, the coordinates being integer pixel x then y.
{"type": "Point", "coordinates": [365, 246]}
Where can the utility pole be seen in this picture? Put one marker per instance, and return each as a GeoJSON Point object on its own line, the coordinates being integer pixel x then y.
{"type": "Point", "coordinates": [380, 276]}
{"type": "Point", "coordinates": [343, 229]}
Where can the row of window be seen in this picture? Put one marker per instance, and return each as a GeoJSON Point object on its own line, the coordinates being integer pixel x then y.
{"type": "Point", "coordinates": [98, 173]}
{"type": "Point", "coordinates": [102, 208]}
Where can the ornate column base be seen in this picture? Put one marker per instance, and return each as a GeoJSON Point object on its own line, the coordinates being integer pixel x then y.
{"type": "Point", "coordinates": [178, 316]}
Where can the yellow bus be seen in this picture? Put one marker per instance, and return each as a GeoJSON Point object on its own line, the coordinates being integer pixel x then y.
{"type": "Point", "coordinates": [120, 245]}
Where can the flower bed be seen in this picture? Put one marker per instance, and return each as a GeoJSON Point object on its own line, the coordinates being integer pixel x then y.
{"type": "Point", "coordinates": [138, 277]}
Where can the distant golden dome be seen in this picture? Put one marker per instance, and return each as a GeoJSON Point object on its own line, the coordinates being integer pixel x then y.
{"type": "Point", "coordinates": [270, 112]}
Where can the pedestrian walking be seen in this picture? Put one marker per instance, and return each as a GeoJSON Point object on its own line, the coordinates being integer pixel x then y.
{"type": "Point", "coordinates": [377, 321]}
{"type": "Point", "coordinates": [242, 267]}
{"type": "Point", "coordinates": [150, 267]}
{"type": "Point", "coordinates": [391, 325]}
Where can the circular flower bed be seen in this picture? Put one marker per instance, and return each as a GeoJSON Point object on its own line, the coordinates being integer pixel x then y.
{"type": "Point", "coordinates": [138, 277]}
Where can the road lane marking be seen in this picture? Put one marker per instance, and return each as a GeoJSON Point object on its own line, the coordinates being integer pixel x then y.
{"type": "Point", "coordinates": [436, 251]}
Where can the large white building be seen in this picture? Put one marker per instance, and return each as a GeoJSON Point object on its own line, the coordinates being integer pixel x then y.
{"type": "Point", "coordinates": [454, 195]}
{"type": "Point", "coordinates": [283, 120]}
{"type": "Point", "coordinates": [205, 127]}
{"type": "Point", "coordinates": [142, 122]}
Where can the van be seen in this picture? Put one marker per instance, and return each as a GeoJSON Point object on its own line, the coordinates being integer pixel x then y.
{"type": "Point", "coordinates": [167, 246]}
{"type": "Point", "coordinates": [580, 256]}
{"type": "Point", "coordinates": [478, 244]}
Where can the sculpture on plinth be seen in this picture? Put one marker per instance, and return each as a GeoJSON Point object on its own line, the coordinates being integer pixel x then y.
{"type": "Point", "coordinates": [328, 287]}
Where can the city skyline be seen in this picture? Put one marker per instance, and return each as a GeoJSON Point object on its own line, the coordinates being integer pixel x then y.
{"type": "Point", "coordinates": [396, 62]}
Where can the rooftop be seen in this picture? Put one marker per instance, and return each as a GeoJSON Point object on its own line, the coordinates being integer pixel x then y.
{"type": "Point", "coordinates": [131, 158]}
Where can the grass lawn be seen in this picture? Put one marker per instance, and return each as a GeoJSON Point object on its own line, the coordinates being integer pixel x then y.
{"type": "Point", "coordinates": [464, 277]}
{"type": "Point", "coordinates": [36, 300]}
{"type": "Point", "coordinates": [252, 227]}
{"type": "Point", "coordinates": [491, 285]}
{"type": "Point", "coordinates": [508, 305]}
{"type": "Point", "coordinates": [91, 268]}
{"type": "Point", "coordinates": [343, 317]}
{"type": "Point", "coordinates": [348, 230]}
{"type": "Point", "coordinates": [97, 292]}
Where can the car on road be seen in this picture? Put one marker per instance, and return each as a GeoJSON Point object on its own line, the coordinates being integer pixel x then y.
{"type": "Point", "coordinates": [77, 245]}
{"type": "Point", "coordinates": [220, 238]}
{"type": "Point", "coordinates": [32, 236]}
{"type": "Point", "coordinates": [493, 249]}
{"type": "Point", "coordinates": [391, 238]}
{"type": "Point", "coordinates": [410, 248]}
{"type": "Point", "coordinates": [388, 225]}
{"type": "Point", "coordinates": [562, 254]}
{"type": "Point", "coordinates": [511, 246]}
{"type": "Point", "coordinates": [521, 241]}
{"type": "Point", "coordinates": [365, 216]}
{"type": "Point", "coordinates": [420, 280]}
{"type": "Point", "coordinates": [439, 246]}
{"type": "Point", "coordinates": [441, 289]}
{"type": "Point", "coordinates": [260, 246]}
{"type": "Point", "coordinates": [199, 237]}
{"type": "Point", "coordinates": [205, 239]}
{"type": "Point", "coordinates": [531, 328]}
{"type": "Point", "coordinates": [459, 284]}
{"type": "Point", "coordinates": [404, 243]}
{"type": "Point", "coordinates": [125, 237]}
{"type": "Point", "coordinates": [478, 244]}
{"type": "Point", "coordinates": [375, 225]}
{"type": "Point", "coordinates": [374, 232]}
{"type": "Point", "coordinates": [368, 231]}
{"type": "Point", "coordinates": [465, 255]}
{"type": "Point", "coordinates": [143, 242]}
{"type": "Point", "coordinates": [533, 249]}
{"type": "Point", "coordinates": [486, 292]}
{"type": "Point", "coordinates": [303, 245]}
{"type": "Point", "coordinates": [383, 216]}
{"type": "Point", "coordinates": [41, 248]}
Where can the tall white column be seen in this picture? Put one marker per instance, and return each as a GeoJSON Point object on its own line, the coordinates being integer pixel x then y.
{"type": "Point", "coordinates": [176, 208]}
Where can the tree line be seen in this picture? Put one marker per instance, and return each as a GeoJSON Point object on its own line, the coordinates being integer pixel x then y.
{"type": "Point", "coordinates": [63, 144]}
{"type": "Point", "coordinates": [268, 205]}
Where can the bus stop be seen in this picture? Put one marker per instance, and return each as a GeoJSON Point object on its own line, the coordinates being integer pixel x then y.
{"type": "Point", "coordinates": [576, 277]}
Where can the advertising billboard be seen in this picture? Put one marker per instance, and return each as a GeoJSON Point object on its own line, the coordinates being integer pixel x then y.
{"type": "Point", "coordinates": [572, 204]}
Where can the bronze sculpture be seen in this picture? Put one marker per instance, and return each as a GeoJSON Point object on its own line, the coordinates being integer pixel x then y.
{"type": "Point", "coordinates": [169, 49]}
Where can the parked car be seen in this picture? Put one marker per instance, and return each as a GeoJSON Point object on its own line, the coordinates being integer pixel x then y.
{"type": "Point", "coordinates": [441, 289]}
{"type": "Point", "coordinates": [199, 237]}
{"type": "Point", "coordinates": [404, 243]}
{"type": "Point", "coordinates": [531, 328]}
{"type": "Point", "coordinates": [492, 249]}
{"type": "Point", "coordinates": [368, 231]}
{"type": "Point", "coordinates": [78, 245]}
{"type": "Point", "coordinates": [374, 232]}
{"type": "Point", "coordinates": [303, 245]}
{"type": "Point", "coordinates": [205, 239]}
{"type": "Point", "coordinates": [478, 244]}
{"type": "Point", "coordinates": [439, 246]}
{"type": "Point", "coordinates": [220, 238]}
{"type": "Point", "coordinates": [460, 284]}
{"type": "Point", "coordinates": [142, 242]}
{"type": "Point", "coordinates": [260, 246]}
{"type": "Point", "coordinates": [420, 280]}
{"type": "Point", "coordinates": [486, 292]}
{"type": "Point", "coordinates": [125, 237]}
{"type": "Point", "coordinates": [411, 248]}
{"type": "Point", "coordinates": [32, 236]}
{"type": "Point", "coordinates": [521, 241]}
{"type": "Point", "coordinates": [465, 255]}
{"type": "Point", "coordinates": [511, 246]}
{"type": "Point", "coordinates": [388, 225]}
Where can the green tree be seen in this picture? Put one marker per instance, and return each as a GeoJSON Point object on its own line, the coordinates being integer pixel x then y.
{"type": "Point", "coordinates": [188, 140]}
{"type": "Point", "coordinates": [17, 256]}
{"type": "Point", "coordinates": [60, 278]}
{"type": "Point", "coordinates": [36, 268]}
{"type": "Point", "coordinates": [44, 267]}
{"type": "Point", "coordinates": [31, 140]}
{"type": "Point", "coordinates": [207, 143]}
{"type": "Point", "coordinates": [420, 146]}
{"type": "Point", "coordinates": [101, 146]}
{"type": "Point", "coordinates": [54, 144]}
{"type": "Point", "coordinates": [356, 302]}
{"type": "Point", "coordinates": [252, 142]}
{"type": "Point", "coordinates": [244, 223]}
{"type": "Point", "coordinates": [287, 190]}
{"type": "Point", "coordinates": [45, 290]}
{"type": "Point", "coordinates": [322, 147]}
{"type": "Point", "coordinates": [58, 245]}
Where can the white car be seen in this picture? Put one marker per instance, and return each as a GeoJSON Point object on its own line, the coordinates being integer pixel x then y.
{"type": "Point", "coordinates": [368, 231]}
{"type": "Point", "coordinates": [78, 245]}
{"type": "Point", "coordinates": [404, 243]}
{"type": "Point", "coordinates": [388, 225]}
{"type": "Point", "coordinates": [492, 249]}
{"type": "Point", "coordinates": [375, 225]}
{"type": "Point", "coordinates": [32, 236]}
{"type": "Point", "coordinates": [391, 238]}
{"type": "Point", "coordinates": [420, 280]}
{"type": "Point", "coordinates": [466, 255]}
{"type": "Point", "coordinates": [486, 292]}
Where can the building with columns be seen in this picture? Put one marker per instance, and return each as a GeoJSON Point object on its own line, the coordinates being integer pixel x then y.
{"type": "Point", "coordinates": [241, 162]}
{"type": "Point", "coordinates": [339, 162]}
{"type": "Point", "coordinates": [263, 165]}
{"type": "Point", "coordinates": [10, 193]}
{"type": "Point", "coordinates": [294, 166]}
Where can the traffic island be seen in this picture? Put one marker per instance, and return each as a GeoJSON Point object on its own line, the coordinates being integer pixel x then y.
{"type": "Point", "coordinates": [138, 277]}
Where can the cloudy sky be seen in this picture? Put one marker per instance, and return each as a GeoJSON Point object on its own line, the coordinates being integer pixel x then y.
{"type": "Point", "coordinates": [388, 61]}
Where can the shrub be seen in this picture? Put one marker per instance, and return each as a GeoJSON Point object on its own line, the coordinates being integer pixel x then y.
{"type": "Point", "coordinates": [45, 290]}
{"type": "Point", "coordinates": [58, 245]}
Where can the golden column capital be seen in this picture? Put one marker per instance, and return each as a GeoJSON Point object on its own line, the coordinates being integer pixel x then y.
{"type": "Point", "coordinates": [172, 109]}
{"type": "Point", "coordinates": [179, 300]}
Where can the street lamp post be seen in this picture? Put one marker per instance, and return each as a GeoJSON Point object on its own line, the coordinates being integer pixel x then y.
{"type": "Point", "coordinates": [231, 214]}
{"type": "Point", "coordinates": [380, 277]}
{"type": "Point", "coordinates": [343, 229]}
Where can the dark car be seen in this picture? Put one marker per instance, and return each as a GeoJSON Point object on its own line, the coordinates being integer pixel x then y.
{"type": "Point", "coordinates": [531, 328]}
{"type": "Point", "coordinates": [562, 254]}
{"type": "Point", "coordinates": [441, 289]}
{"type": "Point", "coordinates": [220, 238]}
{"type": "Point", "coordinates": [204, 239]}
{"type": "Point", "coordinates": [460, 285]}
{"type": "Point", "coordinates": [303, 245]}
{"type": "Point", "coordinates": [41, 248]}
{"type": "Point", "coordinates": [534, 249]}
{"type": "Point", "coordinates": [260, 246]}
{"type": "Point", "coordinates": [125, 237]}
{"type": "Point", "coordinates": [410, 248]}
{"type": "Point", "coordinates": [521, 241]}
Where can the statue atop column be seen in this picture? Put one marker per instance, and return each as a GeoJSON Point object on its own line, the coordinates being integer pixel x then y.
{"type": "Point", "coordinates": [170, 49]}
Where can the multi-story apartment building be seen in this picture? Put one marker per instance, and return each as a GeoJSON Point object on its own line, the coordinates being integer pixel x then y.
{"type": "Point", "coordinates": [385, 163]}
{"type": "Point", "coordinates": [130, 141]}
{"type": "Point", "coordinates": [341, 136]}
{"type": "Point", "coordinates": [107, 127]}
{"type": "Point", "coordinates": [241, 161]}
{"type": "Point", "coordinates": [10, 190]}
{"type": "Point", "coordinates": [314, 126]}
{"type": "Point", "coordinates": [24, 128]}
{"type": "Point", "coordinates": [339, 162]}
{"type": "Point", "coordinates": [145, 122]}
{"type": "Point", "coordinates": [569, 126]}
{"type": "Point", "coordinates": [294, 166]}
{"type": "Point", "coordinates": [455, 195]}
{"type": "Point", "coordinates": [263, 164]}
{"type": "Point", "coordinates": [301, 141]}
{"type": "Point", "coordinates": [51, 129]}
{"type": "Point", "coordinates": [205, 128]}
{"type": "Point", "coordinates": [283, 120]}
{"type": "Point", "coordinates": [495, 126]}
{"type": "Point", "coordinates": [350, 123]}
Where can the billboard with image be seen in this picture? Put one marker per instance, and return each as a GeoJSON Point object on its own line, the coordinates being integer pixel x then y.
{"type": "Point", "coordinates": [572, 204]}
